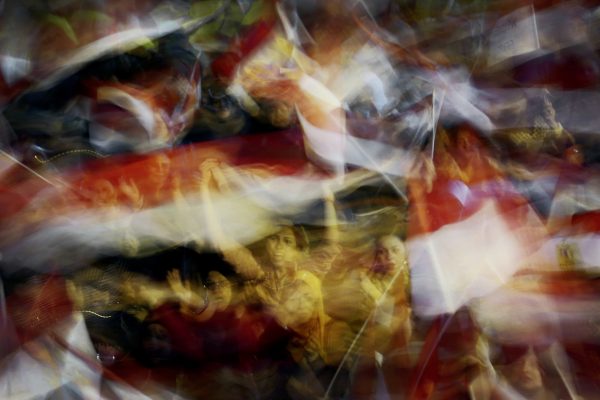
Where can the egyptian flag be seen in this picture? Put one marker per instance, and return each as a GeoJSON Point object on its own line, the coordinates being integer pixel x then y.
{"type": "Point", "coordinates": [574, 217]}
{"type": "Point", "coordinates": [469, 233]}
{"type": "Point", "coordinates": [469, 229]}
{"type": "Point", "coordinates": [153, 201]}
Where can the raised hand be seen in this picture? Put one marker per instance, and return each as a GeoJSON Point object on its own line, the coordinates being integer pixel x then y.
{"type": "Point", "coordinates": [205, 174]}
{"type": "Point", "coordinates": [131, 191]}
{"type": "Point", "coordinates": [220, 178]}
{"type": "Point", "coordinates": [176, 284]}
{"type": "Point", "coordinates": [209, 165]}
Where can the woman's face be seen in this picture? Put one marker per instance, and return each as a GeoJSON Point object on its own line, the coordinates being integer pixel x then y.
{"type": "Point", "coordinates": [219, 290]}
{"type": "Point", "coordinates": [390, 254]}
{"type": "Point", "coordinates": [525, 373]}
{"type": "Point", "coordinates": [282, 248]}
{"type": "Point", "coordinates": [159, 168]}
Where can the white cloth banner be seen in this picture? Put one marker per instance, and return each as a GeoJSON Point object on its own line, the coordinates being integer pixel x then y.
{"type": "Point", "coordinates": [462, 261]}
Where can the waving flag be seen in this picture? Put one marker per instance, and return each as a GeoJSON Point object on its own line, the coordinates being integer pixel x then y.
{"type": "Point", "coordinates": [469, 232]}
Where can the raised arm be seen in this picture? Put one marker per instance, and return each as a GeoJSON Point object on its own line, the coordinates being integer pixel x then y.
{"type": "Point", "coordinates": [234, 253]}
{"type": "Point", "coordinates": [321, 258]}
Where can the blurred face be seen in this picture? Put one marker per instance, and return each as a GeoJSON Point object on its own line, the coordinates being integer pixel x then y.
{"type": "Point", "coordinates": [219, 290]}
{"type": "Point", "coordinates": [468, 142]}
{"type": "Point", "coordinates": [282, 248]}
{"type": "Point", "coordinates": [525, 373]}
{"type": "Point", "coordinates": [159, 168]}
{"type": "Point", "coordinates": [301, 304]}
{"type": "Point", "coordinates": [105, 193]}
{"type": "Point", "coordinates": [390, 254]}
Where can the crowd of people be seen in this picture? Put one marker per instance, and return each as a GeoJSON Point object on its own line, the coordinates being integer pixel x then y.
{"type": "Point", "coordinates": [296, 315]}
{"type": "Point", "coordinates": [281, 199]}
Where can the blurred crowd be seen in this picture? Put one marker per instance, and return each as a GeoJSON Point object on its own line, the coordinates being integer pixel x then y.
{"type": "Point", "coordinates": [263, 199]}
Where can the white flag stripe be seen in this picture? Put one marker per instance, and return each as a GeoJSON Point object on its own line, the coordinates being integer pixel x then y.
{"type": "Point", "coordinates": [463, 261]}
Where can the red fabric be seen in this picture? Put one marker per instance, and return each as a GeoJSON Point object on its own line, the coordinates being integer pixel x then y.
{"type": "Point", "coordinates": [281, 153]}
{"type": "Point", "coordinates": [465, 179]}
{"type": "Point", "coordinates": [36, 307]}
{"type": "Point", "coordinates": [224, 338]}
{"type": "Point", "coordinates": [462, 169]}
{"type": "Point", "coordinates": [225, 65]}
{"type": "Point", "coordinates": [185, 334]}
{"type": "Point", "coordinates": [449, 338]}
{"type": "Point", "coordinates": [586, 222]}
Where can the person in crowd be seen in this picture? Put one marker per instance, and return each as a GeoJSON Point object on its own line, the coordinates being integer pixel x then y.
{"type": "Point", "coordinates": [225, 348]}
{"type": "Point", "coordinates": [284, 253]}
{"type": "Point", "coordinates": [370, 314]}
{"type": "Point", "coordinates": [521, 374]}
{"type": "Point", "coordinates": [454, 360]}
{"type": "Point", "coordinates": [303, 314]}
